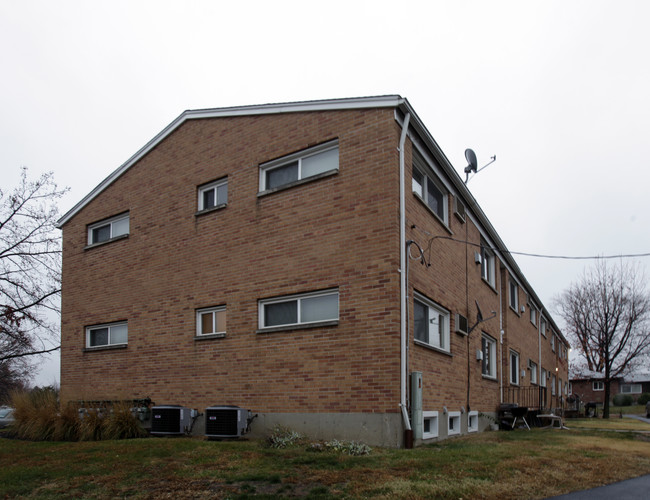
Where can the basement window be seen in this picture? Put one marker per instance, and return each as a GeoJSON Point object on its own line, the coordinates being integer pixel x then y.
{"type": "Point", "coordinates": [298, 310]}
{"type": "Point", "coordinates": [430, 424]}
{"type": "Point", "coordinates": [472, 421]}
{"type": "Point", "coordinates": [301, 166]}
{"type": "Point", "coordinates": [453, 423]}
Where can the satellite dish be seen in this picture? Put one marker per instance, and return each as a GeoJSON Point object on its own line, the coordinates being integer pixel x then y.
{"type": "Point", "coordinates": [479, 315]}
{"type": "Point", "coordinates": [470, 156]}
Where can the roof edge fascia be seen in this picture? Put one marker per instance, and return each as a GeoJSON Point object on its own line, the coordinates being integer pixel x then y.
{"type": "Point", "coordinates": [387, 101]}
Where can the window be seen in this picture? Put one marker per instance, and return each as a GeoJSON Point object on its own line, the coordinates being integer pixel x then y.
{"type": "Point", "coordinates": [430, 424]}
{"type": "Point", "coordinates": [570, 390]}
{"type": "Point", "coordinates": [553, 342]}
{"type": "Point", "coordinates": [299, 309]}
{"type": "Point", "coordinates": [631, 388]}
{"type": "Point", "coordinates": [213, 195]}
{"type": "Point", "coordinates": [553, 379]}
{"type": "Point", "coordinates": [514, 368]}
{"type": "Point", "coordinates": [566, 388]}
{"type": "Point", "coordinates": [299, 166]}
{"type": "Point", "coordinates": [429, 189]}
{"type": "Point", "coordinates": [533, 315]}
{"type": "Point", "coordinates": [453, 423]}
{"type": "Point", "coordinates": [431, 324]}
{"type": "Point", "coordinates": [598, 385]}
{"type": "Point", "coordinates": [542, 326]}
{"type": "Point", "coordinates": [472, 421]}
{"type": "Point", "coordinates": [559, 386]}
{"type": "Point", "coordinates": [514, 295]}
{"type": "Point", "coordinates": [487, 264]}
{"type": "Point", "coordinates": [542, 378]}
{"type": "Point", "coordinates": [211, 321]}
{"type": "Point", "coordinates": [108, 229]}
{"type": "Point", "coordinates": [107, 335]}
{"type": "Point", "coordinates": [489, 364]}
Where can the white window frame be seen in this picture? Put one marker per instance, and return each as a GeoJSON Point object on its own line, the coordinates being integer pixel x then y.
{"type": "Point", "coordinates": [514, 367]}
{"type": "Point", "coordinates": [552, 340]}
{"type": "Point", "coordinates": [432, 417]}
{"type": "Point", "coordinates": [631, 388]}
{"type": "Point", "coordinates": [298, 298]}
{"type": "Point", "coordinates": [542, 377]}
{"type": "Point", "coordinates": [533, 314]}
{"type": "Point", "coordinates": [542, 326]}
{"type": "Point", "coordinates": [492, 353]}
{"type": "Point", "coordinates": [111, 222]}
{"type": "Point", "coordinates": [598, 385]}
{"type": "Point", "coordinates": [298, 157]}
{"type": "Point", "coordinates": [453, 423]}
{"type": "Point", "coordinates": [513, 292]}
{"type": "Point", "coordinates": [212, 186]}
{"type": "Point", "coordinates": [553, 384]}
{"type": "Point", "coordinates": [199, 323]}
{"type": "Point", "coordinates": [109, 326]}
{"type": "Point", "coordinates": [422, 189]}
{"type": "Point", "coordinates": [472, 421]}
{"type": "Point", "coordinates": [433, 311]}
{"type": "Point", "coordinates": [488, 265]}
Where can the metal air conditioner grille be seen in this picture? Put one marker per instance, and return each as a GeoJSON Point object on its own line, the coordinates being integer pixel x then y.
{"type": "Point", "coordinates": [166, 420]}
{"type": "Point", "coordinates": [222, 422]}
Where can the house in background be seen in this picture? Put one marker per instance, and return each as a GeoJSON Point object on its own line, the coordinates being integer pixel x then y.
{"type": "Point", "coordinates": [590, 386]}
{"type": "Point", "coordinates": [320, 263]}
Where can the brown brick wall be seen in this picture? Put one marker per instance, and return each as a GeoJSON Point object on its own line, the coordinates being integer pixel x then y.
{"type": "Point", "coordinates": [340, 231]}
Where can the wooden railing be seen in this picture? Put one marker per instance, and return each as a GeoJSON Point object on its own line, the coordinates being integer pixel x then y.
{"type": "Point", "coordinates": [534, 397]}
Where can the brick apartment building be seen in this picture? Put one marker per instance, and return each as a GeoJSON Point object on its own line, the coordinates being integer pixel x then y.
{"type": "Point", "coordinates": [589, 387]}
{"type": "Point", "coordinates": [320, 263]}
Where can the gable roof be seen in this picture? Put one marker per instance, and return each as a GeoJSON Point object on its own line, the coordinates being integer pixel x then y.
{"type": "Point", "coordinates": [388, 101]}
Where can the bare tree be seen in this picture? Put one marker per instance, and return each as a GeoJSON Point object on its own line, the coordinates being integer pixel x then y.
{"type": "Point", "coordinates": [607, 317]}
{"type": "Point", "coordinates": [30, 273]}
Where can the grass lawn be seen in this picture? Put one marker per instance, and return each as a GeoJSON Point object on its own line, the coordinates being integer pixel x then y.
{"type": "Point", "coordinates": [518, 464]}
{"type": "Point", "coordinates": [612, 423]}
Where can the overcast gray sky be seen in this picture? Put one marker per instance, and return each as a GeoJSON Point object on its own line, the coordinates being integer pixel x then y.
{"type": "Point", "coordinates": [558, 90]}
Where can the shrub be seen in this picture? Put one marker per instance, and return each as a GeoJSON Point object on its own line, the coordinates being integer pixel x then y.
{"type": "Point", "coordinates": [623, 400]}
{"type": "Point", "coordinates": [35, 414]}
{"type": "Point", "coordinates": [120, 423]}
{"type": "Point", "coordinates": [348, 447]}
{"type": "Point", "coordinates": [282, 437]}
{"type": "Point", "coordinates": [643, 398]}
{"type": "Point", "coordinates": [90, 425]}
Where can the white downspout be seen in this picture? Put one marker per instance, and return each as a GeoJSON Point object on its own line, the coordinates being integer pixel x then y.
{"type": "Point", "coordinates": [402, 270]}
{"type": "Point", "coordinates": [501, 333]}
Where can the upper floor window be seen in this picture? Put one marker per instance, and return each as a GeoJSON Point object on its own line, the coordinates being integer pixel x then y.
{"type": "Point", "coordinates": [542, 326]}
{"type": "Point", "coordinates": [294, 310]}
{"type": "Point", "coordinates": [213, 194]}
{"type": "Point", "coordinates": [514, 368]}
{"type": "Point", "coordinates": [107, 335]}
{"type": "Point", "coordinates": [489, 362]}
{"type": "Point", "coordinates": [108, 229]}
{"type": "Point", "coordinates": [514, 295]}
{"type": "Point", "coordinates": [299, 166]}
{"type": "Point", "coordinates": [430, 189]}
{"type": "Point", "coordinates": [487, 264]}
{"type": "Point", "coordinates": [211, 321]}
{"type": "Point", "coordinates": [552, 342]}
{"type": "Point", "coordinates": [533, 314]}
{"type": "Point", "coordinates": [431, 324]}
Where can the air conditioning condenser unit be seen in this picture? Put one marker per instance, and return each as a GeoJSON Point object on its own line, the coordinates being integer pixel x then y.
{"type": "Point", "coordinates": [170, 420]}
{"type": "Point", "coordinates": [226, 421]}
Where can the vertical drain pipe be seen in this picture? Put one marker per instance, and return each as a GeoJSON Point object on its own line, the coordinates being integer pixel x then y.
{"type": "Point", "coordinates": [402, 270]}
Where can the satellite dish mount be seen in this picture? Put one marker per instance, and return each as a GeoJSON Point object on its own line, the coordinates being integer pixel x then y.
{"type": "Point", "coordinates": [472, 164]}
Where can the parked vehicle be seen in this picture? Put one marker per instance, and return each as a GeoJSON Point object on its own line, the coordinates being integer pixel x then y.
{"type": "Point", "coordinates": [6, 416]}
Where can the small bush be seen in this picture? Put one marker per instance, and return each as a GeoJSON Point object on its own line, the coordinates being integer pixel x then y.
{"type": "Point", "coordinates": [120, 423]}
{"type": "Point", "coordinates": [348, 447]}
{"type": "Point", "coordinates": [35, 414]}
{"type": "Point", "coordinates": [643, 398]}
{"type": "Point", "coordinates": [623, 400]}
{"type": "Point", "coordinates": [282, 437]}
{"type": "Point", "coordinates": [90, 425]}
